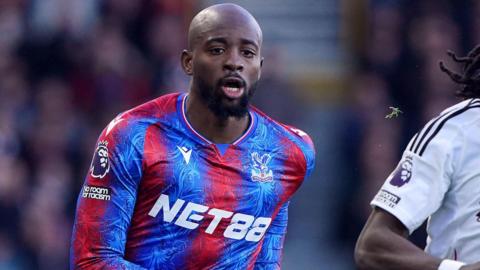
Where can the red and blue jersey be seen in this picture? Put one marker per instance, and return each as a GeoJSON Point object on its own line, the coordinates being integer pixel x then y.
{"type": "Point", "coordinates": [160, 196]}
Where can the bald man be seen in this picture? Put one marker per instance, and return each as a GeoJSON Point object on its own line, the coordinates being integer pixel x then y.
{"type": "Point", "coordinates": [196, 180]}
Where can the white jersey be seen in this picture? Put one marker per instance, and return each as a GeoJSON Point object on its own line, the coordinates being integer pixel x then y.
{"type": "Point", "coordinates": [438, 178]}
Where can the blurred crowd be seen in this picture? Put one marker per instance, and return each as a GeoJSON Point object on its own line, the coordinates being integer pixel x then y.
{"type": "Point", "coordinates": [67, 67]}
{"type": "Point", "coordinates": [397, 65]}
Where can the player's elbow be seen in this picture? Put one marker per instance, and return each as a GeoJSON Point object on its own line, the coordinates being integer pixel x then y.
{"type": "Point", "coordinates": [84, 263]}
{"type": "Point", "coordinates": [365, 255]}
{"type": "Point", "coordinates": [86, 259]}
{"type": "Point", "coordinates": [362, 257]}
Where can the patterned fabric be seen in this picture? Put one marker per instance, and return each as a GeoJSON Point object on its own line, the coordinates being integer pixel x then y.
{"type": "Point", "coordinates": [160, 196]}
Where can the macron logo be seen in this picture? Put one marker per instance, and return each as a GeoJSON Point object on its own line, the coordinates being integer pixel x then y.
{"type": "Point", "coordinates": [298, 132]}
{"type": "Point", "coordinates": [114, 123]}
{"type": "Point", "coordinates": [186, 153]}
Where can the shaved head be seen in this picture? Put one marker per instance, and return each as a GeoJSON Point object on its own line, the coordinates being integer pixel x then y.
{"type": "Point", "coordinates": [218, 17]}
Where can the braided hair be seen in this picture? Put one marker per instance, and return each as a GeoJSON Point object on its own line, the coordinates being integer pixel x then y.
{"type": "Point", "coordinates": [470, 78]}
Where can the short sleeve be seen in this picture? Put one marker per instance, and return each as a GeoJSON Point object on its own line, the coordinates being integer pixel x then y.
{"type": "Point", "coordinates": [416, 188]}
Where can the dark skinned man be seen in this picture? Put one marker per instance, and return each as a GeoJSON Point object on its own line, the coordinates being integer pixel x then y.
{"type": "Point", "coordinates": [197, 180]}
{"type": "Point", "coordinates": [438, 178]}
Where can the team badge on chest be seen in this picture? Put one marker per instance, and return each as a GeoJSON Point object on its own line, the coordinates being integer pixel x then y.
{"type": "Point", "coordinates": [100, 164]}
{"type": "Point", "coordinates": [260, 170]}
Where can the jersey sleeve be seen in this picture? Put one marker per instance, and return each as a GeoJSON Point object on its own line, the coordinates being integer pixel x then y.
{"type": "Point", "coordinates": [308, 148]}
{"type": "Point", "coordinates": [270, 255]}
{"type": "Point", "coordinates": [107, 199]}
{"type": "Point", "coordinates": [309, 156]}
{"type": "Point", "coordinates": [416, 188]}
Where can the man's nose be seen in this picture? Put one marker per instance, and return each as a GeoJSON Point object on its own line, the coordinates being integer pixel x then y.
{"type": "Point", "coordinates": [233, 62]}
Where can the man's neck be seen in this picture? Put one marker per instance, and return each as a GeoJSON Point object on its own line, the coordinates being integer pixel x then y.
{"type": "Point", "coordinates": [216, 129]}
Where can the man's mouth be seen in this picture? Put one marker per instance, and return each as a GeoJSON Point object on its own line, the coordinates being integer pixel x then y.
{"type": "Point", "coordinates": [232, 87]}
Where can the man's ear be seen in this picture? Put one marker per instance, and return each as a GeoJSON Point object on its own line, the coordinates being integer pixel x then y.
{"type": "Point", "coordinates": [260, 71]}
{"type": "Point", "coordinates": [186, 61]}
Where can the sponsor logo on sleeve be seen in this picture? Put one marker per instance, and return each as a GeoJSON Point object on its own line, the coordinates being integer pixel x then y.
{"type": "Point", "coordinates": [96, 193]}
{"type": "Point", "coordinates": [387, 198]}
{"type": "Point", "coordinates": [100, 164]}
{"type": "Point", "coordinates": [403, 173]}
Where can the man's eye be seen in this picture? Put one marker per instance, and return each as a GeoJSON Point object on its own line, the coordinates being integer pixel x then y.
{"type": "Point", "coordinates": [217, 51]}
{"type": "Point", "coordinates": [248, 53]}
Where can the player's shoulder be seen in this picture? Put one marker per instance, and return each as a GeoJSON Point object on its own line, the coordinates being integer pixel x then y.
{"type": "Point", "coordinates": [296, 135]}
{"type": "Point", "coordinates": [455, 118]}
{"type": "Point", "coordinates": [155, 108]}
{"type": "Point", "coordinates": [138, 118]}
{"type": "Point", "coordinates": [464, 111]}
{"type": "Point", "coordinates": [445, 128]}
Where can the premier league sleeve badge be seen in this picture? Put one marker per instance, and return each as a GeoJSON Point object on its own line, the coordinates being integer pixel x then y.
{"type": "Point", "coordinates": [403, 172]}
{"type": "Point", "coordinates": [100, 164]}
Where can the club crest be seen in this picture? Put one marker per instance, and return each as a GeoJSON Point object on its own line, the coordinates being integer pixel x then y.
{"type": "Point", "coordinates": [100, 164]}
{"type": "Point", "coordinates": [260, 170]}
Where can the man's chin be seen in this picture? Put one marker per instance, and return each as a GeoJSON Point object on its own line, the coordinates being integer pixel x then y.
{"type": "Point", "coordinates": [225, 107]}
{"type": "Point", "coordinates": [229, 110]}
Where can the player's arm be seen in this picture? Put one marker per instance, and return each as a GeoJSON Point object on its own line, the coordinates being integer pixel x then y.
{"type": "Point", "coordinates": [106, 202]}
{"type": "Point", "coordinates": [475, 266]}
{"type": "Point", "coordinates": [383, 245]}
{"type": "Point", "coordinates": [415, 190]}
{"type": "Point", "coordinates": [270, 255]}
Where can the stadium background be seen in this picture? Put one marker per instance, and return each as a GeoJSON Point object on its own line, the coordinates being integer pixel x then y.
{"type": "Point", "coordinates": [332, 68]}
